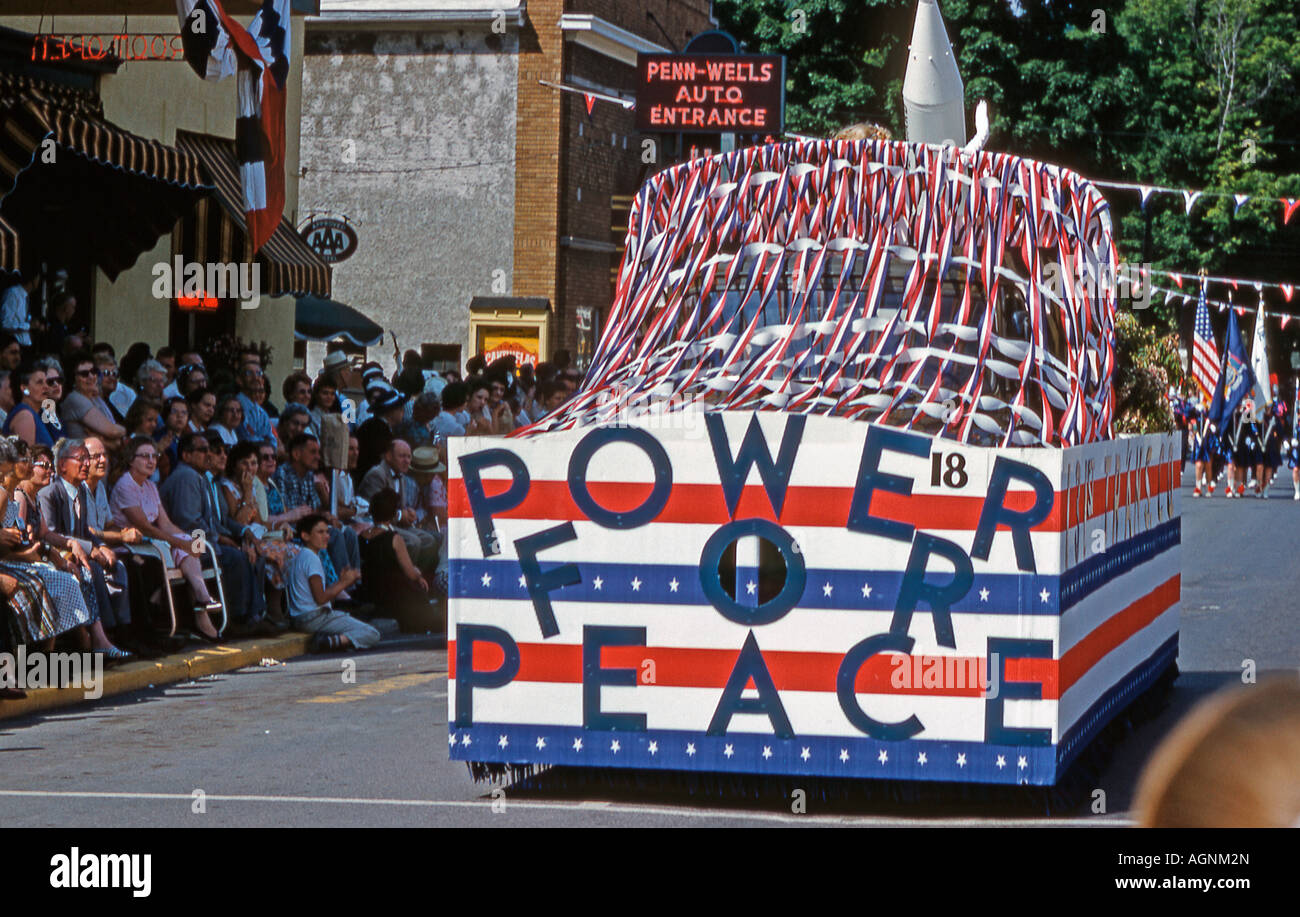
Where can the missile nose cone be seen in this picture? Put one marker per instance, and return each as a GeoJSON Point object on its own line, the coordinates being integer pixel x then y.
{"type": "Point", "coordinates": [933, 94]}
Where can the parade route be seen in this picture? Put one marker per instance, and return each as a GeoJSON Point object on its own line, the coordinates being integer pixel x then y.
{"type": "Point", "coordinates": [293, 744]}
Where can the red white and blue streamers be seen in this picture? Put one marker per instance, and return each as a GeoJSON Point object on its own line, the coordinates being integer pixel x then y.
{"type": "Point", "coordinates": [892, 282]}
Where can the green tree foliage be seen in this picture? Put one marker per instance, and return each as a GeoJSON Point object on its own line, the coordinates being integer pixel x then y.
{"type": "Point", "coordinates": [1147, 363]}
{"type": "Point", "coordinates": [838, 54]}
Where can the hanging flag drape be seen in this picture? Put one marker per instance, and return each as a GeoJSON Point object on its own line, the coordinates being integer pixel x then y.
{"type": "Point", "coordinates": [215, 47]}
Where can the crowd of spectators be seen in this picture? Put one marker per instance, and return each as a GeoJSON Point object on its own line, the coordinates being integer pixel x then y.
{"type": "Point", "coordinates": [123, 480]}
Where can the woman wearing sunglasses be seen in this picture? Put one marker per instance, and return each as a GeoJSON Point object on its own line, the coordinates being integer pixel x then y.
{"type": "Point", "coordinates": [84, 411]}
{"type": "Point", "coordinates": [135, 504]}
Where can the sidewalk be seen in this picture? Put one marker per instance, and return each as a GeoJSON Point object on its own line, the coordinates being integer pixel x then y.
{"type": "Point", "coordinates": [184, 666]}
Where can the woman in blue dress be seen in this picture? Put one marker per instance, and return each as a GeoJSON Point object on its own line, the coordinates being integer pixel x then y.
{"type": "Point", "coordinates": [30, 393]}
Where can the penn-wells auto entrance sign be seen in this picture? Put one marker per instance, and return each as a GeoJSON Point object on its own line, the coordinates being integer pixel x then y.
{"type": "Point", "coordinates": [710, 93]}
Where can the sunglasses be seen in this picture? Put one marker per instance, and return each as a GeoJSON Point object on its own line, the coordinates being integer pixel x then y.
{"type": "Point", "coordinates": [42, 464]}
{"type": "Point", "coordinates": [53, 380]}
{"type": "Point", "coordinates": [108, 374]}
{"type": "Point", "coordinates": [85, 373]}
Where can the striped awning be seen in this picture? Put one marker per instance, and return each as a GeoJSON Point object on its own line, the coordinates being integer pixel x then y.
{"type": "Point", "coordinates": [127, 190]}
{"type": "Point", "coordinates": [8, 248]}
{"type": "Point", "coordinates": [215, 230]}
{"type": "Point", "coordinates": [30, 112]}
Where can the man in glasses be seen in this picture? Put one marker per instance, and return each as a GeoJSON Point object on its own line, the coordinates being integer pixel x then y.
{"type": "Point", "coordinates": [98, 513]}
{"type": "Point", "coordinates": [193, 503]}
{"type": "Point", "coordinates": [65, 507]}
{"type": "Point", "coordinates": [119, 398]}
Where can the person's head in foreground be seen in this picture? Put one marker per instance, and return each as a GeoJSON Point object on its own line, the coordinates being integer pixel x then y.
{"type": "Point", "coordinates": [1233, 762]}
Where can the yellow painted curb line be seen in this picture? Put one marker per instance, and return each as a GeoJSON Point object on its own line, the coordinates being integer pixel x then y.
{"type": "Point", "coordinates": [186, 666]}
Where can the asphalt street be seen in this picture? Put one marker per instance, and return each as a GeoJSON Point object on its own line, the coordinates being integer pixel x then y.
{"type": "Point", "coordinates": [294, 744]}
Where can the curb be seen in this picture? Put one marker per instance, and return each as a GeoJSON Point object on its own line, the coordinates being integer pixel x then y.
{"type": "Point", "coordinates": [184, 666]}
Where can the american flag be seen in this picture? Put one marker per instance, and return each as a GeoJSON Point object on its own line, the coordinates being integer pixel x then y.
{"type": "Point", "coordinates": [1205, 356]}
{"type": "Point", "coordinates": [217, 46]}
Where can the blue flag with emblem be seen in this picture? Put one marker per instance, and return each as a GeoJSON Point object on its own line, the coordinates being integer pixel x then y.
{"type": "Point", "coordinates": [1236, 378]}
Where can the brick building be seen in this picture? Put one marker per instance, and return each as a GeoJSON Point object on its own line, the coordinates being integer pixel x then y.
{"type": "Point", "coordinates": [491, 204]}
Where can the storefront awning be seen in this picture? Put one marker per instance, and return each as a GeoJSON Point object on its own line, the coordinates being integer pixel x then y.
{"type": "Point", "coordinates": [35, 111]}
{"type": "Point", "coordinates": [73, 181]}
{"type": "Point", "coordinates": [320, 319]}
{"type": "Point", "coordinates": [214, 230]}
{"type": "Point", "coordinates": [8, 248]}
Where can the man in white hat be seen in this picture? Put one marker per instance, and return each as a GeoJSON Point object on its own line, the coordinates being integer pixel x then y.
{"type": "Point", "coordinates": [429, 470]}
{"type": "Point", "coordinates": [338, 370]}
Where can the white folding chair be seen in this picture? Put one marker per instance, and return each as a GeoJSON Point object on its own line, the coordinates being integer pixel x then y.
{"type": "Point", "coordinates": [173, 576]}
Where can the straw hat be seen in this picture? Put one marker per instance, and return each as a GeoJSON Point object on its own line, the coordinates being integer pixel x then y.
{"type": "Point", "coordinates": [425, 461]}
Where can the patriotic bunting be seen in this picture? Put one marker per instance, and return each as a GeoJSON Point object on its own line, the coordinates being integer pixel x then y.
{"type": "Point", "coordinates": [877, 280]}
{"type": "Point", "coordinates": [1233, 282]}
{"type": "Point", "coordinates": [1189, 196]}
{"type": "Point", "coordinates": [216, 46]}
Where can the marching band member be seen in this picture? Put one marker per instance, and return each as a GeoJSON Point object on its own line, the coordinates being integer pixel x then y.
{"type": "Point", "coordinates": [1203, 445]}
{"type": "Point", "coordinates": [1270, 455]}
{"type": "Point", "coordinates": [1251, 453]}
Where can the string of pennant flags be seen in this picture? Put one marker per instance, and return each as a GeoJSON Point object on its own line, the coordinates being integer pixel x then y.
{"type": "Point", "coordinates": [1190, 300]}
{"type": "Point", "coordinates": [1288, 289]}
{"type": "Point", "coordinates": [1190, 197]}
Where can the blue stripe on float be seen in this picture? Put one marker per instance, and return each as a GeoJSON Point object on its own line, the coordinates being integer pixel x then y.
{"type": "Point", "coordinates": [653, 584]}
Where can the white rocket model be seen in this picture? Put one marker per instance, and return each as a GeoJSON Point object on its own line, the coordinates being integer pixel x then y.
{"type": "Point", "coordinates": [933, 95]}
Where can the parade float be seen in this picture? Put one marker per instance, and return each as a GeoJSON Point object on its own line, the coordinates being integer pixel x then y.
{"type": "Point", "coordinates": [839, 495]}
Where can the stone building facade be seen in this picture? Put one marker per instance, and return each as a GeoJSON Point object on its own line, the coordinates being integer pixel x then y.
{"type": "Point", "coordinates": [443, 134]}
